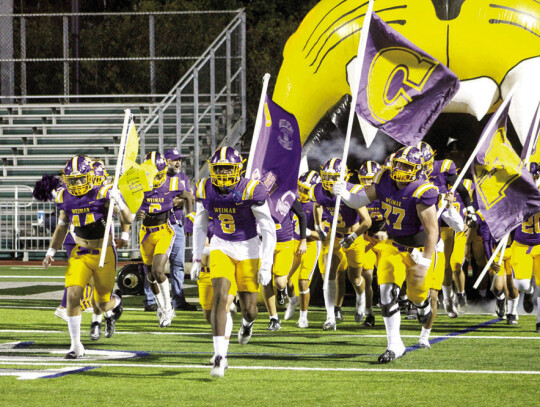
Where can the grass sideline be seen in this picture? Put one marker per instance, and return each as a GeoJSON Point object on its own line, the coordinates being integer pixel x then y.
{"type": "Point", "coordinates": [479, 360]}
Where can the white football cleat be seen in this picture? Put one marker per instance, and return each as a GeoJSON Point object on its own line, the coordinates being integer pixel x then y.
{"type": "Point", "coordinates": [61, 313]}
{"type": "Point", "coordinates": [303, 323]}
{"type": "Point", "coordinates": [329, 325]}
{"type": "Point", "coordinates": [165, 317]}
{"type": "Point", "coordinates": [77, 353]}
{"type": "Point", "coordinates": [291, 307]}
{"type": "Point", "coordinates": [244, 334]}
{"type": "Point", "coordinates": [219, 366]}
{"type": "Point", "coordinates": [423, 343]}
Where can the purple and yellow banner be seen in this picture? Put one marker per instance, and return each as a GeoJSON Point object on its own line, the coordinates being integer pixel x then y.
{"type": "Point", "coordinates": [505, 190]}
{"type": "Point", "coordinates": [276, 158]}
{"type": "Point", "coordinates": [402, 88]}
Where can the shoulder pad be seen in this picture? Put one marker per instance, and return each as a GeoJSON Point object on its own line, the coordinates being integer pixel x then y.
{"type": "Point", "coordinates": [102, 193]}
{"type": "Point", "coordinates": [60, 196]}
{"type": "Point", "coordinates": [448, 166]}
{"type": "Point", "coordinates": [173, 184]}
{"type": "Point", "coordinates": [250, 194]}
{"type": "Point", "coordinates": [422, 189]}
{"type": "Point", "coordinates": [201, 188]}
{"type": "Point", "coordinates": [378, 176]}
{"type": "Point", "coordinates": [356, 188]}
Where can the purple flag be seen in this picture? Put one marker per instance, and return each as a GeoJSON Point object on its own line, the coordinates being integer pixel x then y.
{"type": "Point", "coordinates": [402, 88]}
{"type": "Point", "coordinates": [505, 190]}
{"type": "Point", "coordinates": [532, 138]}
{"type": "Point", "coordinates": [276, 158]}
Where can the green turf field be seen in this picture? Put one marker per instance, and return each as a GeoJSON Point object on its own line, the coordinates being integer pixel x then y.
{"type": "Point", "coordinates": [475, 359]}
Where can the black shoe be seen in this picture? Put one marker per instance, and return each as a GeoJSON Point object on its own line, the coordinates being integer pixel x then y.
{"type": "Point", "coordinates": [186, 307]}
{"type": "Point", "coordinates": [462, 300]}
{"type": "Point", "coordinates": [528, 304]}
{"type": "Point", "coordinates": [538, 327]}
{"type": "Point", "coordinates": [387, 357]}
{"type": "Point", "coordinates": [338, 314]}
{"type": "Point", "coordinates": [501, 307]}
{"type": "Point", "coordinates": [281, 297]}
{"type": "Point", "coordinates": [274, 325]}
{"type": "Point", "coordinates": [73, 355]}
{"type": "Point", "coordinates": [110, 327]}
{"type": "Point", "coordinates": [117, 311]}
{"type": "Point", "coordinates": [95, 331]}
{"type": "Point", "coordinates": [244, 334]}
{"type": "Point", "coordinates": [369, 321]}
{"type": "Point", "coordinates": [151, 307]}
{"type": "Point", "coordinates": [511, 319]}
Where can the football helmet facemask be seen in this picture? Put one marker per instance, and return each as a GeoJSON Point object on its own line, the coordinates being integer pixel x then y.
{"type": "Point", "coordinates": [161, 165]}
{"type": "Point", "coordinates": [367, 172]}
{"type": "Point", "coordinates": [428, 156]}
{"type": "Point", "coordinates": [79, 175]}
{"type": "Point", "coordinates": [330, 173]}
{"type": "Point", "coordinates": [407, 165]}
{"type": "Point", "coordinates": [225, 167]}
{"type": "Point", "coordinates": [100, 173]}
{"type": "Point", "coordinates": [305, 182]}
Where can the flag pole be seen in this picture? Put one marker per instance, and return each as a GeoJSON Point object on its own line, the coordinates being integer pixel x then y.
{"type": "Point", "coordinates": [485, 133]}
{"type": "Point", "coordinates": [355, 88]}
{"type": "Point", "coordinates": [119, 160]}
{"type": "Point", "coordinates": [258, 125]}
{"type": "Point", "coordinates": [534, 135]}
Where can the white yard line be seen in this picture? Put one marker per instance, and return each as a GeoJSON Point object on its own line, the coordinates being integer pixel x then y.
{"type": "Point", "coordinates": [36, 277]}
{"type": "Point", "coordinates": [270, 335]}
{"type": "Point", "coordinates": [291, 368]}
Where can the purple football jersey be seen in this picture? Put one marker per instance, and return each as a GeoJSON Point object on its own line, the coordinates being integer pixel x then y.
{"type": "Point", "coordinates": [182, 181]}
{"type": "Point", "coordinates": [528, 233]}
{"type": "Point", "coordinates": [399, 205]}
{"type": "Point", "coordinates": [85, 209]}
{"type": "Point", "coordinates": [232, 214]}
{"type": "Point", "coordinates": [310, 221]}
{"type": "Point", "coordinates": [347, 216]}
{"type": "Point", "coordinates": [285, 229]}
{"type": "Point", "coordinates": [442, 169]}
{"type": "Point", "coordinates": [160, 199]}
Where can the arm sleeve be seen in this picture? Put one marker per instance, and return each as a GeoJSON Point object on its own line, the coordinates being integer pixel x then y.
{"type": "Point", "coordinates": [453, 219]}
{"type": "Point", "coordinates": [200, 229]}
{"type": "Point", "coordinates": [268, 232]}
{"type": "Point", "coordinates": [460, 189]}
{"type": "Point", "coordinates": [299, 211]}
{"type": "Point", "coordinates": [357, 200]}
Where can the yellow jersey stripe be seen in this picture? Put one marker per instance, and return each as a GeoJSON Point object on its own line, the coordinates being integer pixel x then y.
{"type": "Point", "coordinates": [248, 191]}
{"type": "Point", "coordinates": [174, 184]}
{"type": "Point", "coordinates": [201, 189]}
{"type": "Point", "coordinates": [191, 216]}
{"type": "Point", "coordinates": [60, 196]}
{"type": "Point", "coordinates": [311, 193]}
{"type": "Point", "coordinates": [103, 191]}
{"type": "Point", "coordinates": [422, 189]}
{"type": "Point", "coordinates": [446, 165]}
{"type": "Point", "coordinates": [356, 188]}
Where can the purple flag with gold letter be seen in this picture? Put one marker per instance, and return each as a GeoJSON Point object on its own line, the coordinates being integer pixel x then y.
{"type": "Point", "coordinates": [276, 158]}
{"type": "Point", "coordinates": [505, 190]}
{"type": "Point", "coordinates": [402, 88]}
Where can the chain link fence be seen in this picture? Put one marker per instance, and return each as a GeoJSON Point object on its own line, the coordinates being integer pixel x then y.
{"type": "Point", "coordinates": [97, 54]}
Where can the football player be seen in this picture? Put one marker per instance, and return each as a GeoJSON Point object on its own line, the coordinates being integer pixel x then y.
{"type": "Point", "coordinates": [235, 204]}
{"type": "Point", "coordinates": [177, 255]}
{"type": "Point", "coordinates": [349, 243]}
{"type": "Point", "coordinates": [206, 291]}
{"type": "Point", "coordinates": [86, 206]}
{"type": "Point", "coordinates": [157, 236]}
{"type": "Point", "coordinates": [525, 256]}
{"type": "Point", "coordinates": [443, 174]}
{"type": "Point", "coordinates": [409, 205]}
{"type": "Point", "coordinates": [283, 261]}
{"type": "Point", "coordinates": [376, 234]}
{"type": "Point", "coordinates": [304, 263]}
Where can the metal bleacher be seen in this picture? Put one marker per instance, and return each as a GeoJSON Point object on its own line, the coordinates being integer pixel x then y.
{"type": "Point", "coordinates": [205, 109]}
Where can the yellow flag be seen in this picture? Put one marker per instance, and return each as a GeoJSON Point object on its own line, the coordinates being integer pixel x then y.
{"type": "Point", "coordinates": [132, 147]}
{"type": "Point", "coordinates": [136, 178]}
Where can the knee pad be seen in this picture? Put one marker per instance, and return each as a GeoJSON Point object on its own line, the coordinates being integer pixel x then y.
{"type": "Point", "coordinates": [151, 281]}
{"type": "Point", "coordinates": [389, 299]}
{"type": "Point", "coordinates": [523, 285]}
{"type": "Point", "coordinates": [424, 310]}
